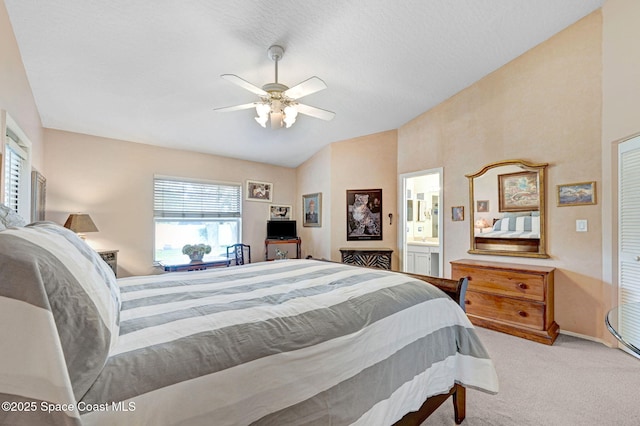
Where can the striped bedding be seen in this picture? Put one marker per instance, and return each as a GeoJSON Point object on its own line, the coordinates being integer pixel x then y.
{"type": "Point", "coordinates": [514, 227]}
{"type": "Point", "coordinates": [273, 343]}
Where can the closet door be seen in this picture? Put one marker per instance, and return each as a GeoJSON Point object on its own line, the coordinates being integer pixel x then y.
{"type": "Point", "coordinates": [629, 233]}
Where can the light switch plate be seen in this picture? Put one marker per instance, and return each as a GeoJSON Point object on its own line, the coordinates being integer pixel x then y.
{"type": "Point", "coordinates": [581, 225]}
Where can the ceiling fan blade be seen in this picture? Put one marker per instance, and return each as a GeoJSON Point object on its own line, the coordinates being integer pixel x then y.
{"type": "Point", "coordinates": [244, 84]}
{"type": "Point", "coordinates": [237, 107]}
{"type": "Point", "coordinates": [320, 113]}
{"type": "Point", "coordinates": [307, 87]}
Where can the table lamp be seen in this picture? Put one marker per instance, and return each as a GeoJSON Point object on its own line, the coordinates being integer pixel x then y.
{"type": "Point", "coordinates": [80, 223]}
{"type": "Point", "coordinates": [482, 223]}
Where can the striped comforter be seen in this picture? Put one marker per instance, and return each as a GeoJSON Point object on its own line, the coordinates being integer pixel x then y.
{"type": "Point", "coordinates": [274, 343]}
{"type": "Point", "coordinates": [284, 343]}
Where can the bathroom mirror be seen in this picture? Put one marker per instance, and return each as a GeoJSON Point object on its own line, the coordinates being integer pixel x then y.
{"type": "Point", "coordinates": [507, 209]}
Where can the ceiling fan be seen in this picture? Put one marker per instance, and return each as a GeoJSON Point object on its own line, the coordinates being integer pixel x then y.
{"type": "Point", "coordinates": [279, 103]}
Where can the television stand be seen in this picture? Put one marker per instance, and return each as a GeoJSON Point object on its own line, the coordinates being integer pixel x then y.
{"type": "Point", "coordinates": [270, 241]}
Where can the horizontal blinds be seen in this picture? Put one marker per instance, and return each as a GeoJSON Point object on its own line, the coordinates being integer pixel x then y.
{"type": "Point", "coordinates": [191, 200]}
{"type": "Point", "coordinates": [13, 168]}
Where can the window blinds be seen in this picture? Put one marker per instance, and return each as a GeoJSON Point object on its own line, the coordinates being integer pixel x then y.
{"type": "Point", "coordinates": [14, 167]}
{"type": "Point", "coordinates": [183, 199]}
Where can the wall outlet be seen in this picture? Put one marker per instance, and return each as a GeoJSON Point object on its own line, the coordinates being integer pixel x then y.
{"type": "Point", "coordinates": [581, 225]}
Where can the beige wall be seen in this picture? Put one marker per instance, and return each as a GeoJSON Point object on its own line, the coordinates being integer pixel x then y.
{"type": "Point", "coordinates": [544, 106]}
{"type": "Point", "coordinates": [314, 176]}
{"type": "Point", "coordinates": [367, 162]}
{"type": "Point", "coordinates": [620, 119]}
{"type": "Point", "coordinates": [15, 93]}
{"type": "Point", "coordinates": [113, 181]}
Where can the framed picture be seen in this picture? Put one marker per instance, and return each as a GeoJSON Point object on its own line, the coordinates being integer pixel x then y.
{"type": "Point", "coordinates": [518, 192]}
{"type": "Point", "coordinates": [278, 212]}
{"type": "Point", "coordinates": [259, 191]}
{"type": "Point", "coordinates": [576, 194]}
{"type": "Point", "coordinates": [482, 206]}
{"type": "Point", "coordinates": [364, 214]}
{"type": "Point", "coordinates": [457, 213]}
{"type": "Point", "coordinates": [312, 209]}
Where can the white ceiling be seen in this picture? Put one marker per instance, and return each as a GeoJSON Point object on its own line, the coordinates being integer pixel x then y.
{"type": "Point", "coordinates": [149, 70]}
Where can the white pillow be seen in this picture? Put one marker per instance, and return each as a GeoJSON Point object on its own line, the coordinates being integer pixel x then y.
{"type": "Point", "coordinates": [9, 218]}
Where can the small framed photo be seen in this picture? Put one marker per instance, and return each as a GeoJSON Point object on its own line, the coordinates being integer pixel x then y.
{"type": "Point", "coordinates": [576, 194]}
{"type": "Point", "coordinates": [457, 213]}
{"type": "Point", "coordinates": [482, 206]}
{"type": "Point", "coordinates": [278, 212]}
{"type": "Point", "coordinates": [259, 191]}
{"type": "Point", "coordinates": [312, 209]}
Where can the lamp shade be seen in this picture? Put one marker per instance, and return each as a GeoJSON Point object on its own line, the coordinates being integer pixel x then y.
{"type": "Point", "coordinates": [80, 223]}
{"type": "Point", "coordinates": [482, 223]}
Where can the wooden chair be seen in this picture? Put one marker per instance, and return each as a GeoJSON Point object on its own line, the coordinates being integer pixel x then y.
{"type": "Point", "coordinates": [241, 253]}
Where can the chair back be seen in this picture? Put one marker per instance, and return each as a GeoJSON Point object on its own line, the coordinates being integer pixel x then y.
{"type": "Point", "coordinates": [241, 253]}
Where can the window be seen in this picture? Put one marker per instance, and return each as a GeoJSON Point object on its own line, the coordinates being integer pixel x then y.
{"type": "Point", "coordinates": [17, 174]}
{"type": "Point", "coordinates": [195, 212]}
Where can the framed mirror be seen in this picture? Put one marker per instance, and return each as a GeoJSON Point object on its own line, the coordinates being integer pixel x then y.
{"type": "Point", "coordinates": [507, 209]}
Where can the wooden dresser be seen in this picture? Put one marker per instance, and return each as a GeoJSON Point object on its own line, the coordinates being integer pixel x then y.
{"type": "Point", "coordinates": [508, 297]}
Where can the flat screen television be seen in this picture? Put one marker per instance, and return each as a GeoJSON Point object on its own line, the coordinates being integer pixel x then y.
{"type": "Point", "coordinates": [281, 229]}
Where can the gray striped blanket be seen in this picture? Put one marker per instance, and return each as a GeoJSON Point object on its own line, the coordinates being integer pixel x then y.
{"type": "Point", "coordinates": [273, 343]}
{"type": "Point", "coordinates": [285, 343]}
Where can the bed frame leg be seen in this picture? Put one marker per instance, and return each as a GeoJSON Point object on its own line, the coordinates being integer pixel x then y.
{"type": "Point", "coordinates": [459, 403]}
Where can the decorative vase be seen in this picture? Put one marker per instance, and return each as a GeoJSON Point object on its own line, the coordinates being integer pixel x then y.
{"type": "Point", "coordinates": [196, 256]}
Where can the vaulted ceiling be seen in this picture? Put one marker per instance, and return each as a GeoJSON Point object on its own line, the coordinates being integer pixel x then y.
{"type": "Point", "coordinates": [149, 71]}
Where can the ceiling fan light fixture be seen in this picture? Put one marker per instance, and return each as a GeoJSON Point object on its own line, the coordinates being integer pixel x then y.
{"type": "Point", "coordinates": [290, 114]}
{"type": "Point", "coordinates": [278, 103]}
{"type": "Point", "coordinates": [276, 119]}
{"type": "Point", "coordinates": [263, 110]}
{"type": "Point", "coordinates": [262, 120]}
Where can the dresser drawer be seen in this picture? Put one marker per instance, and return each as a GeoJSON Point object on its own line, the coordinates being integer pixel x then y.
{"type": "Point", "coordinates": [503, 282]}
{"type": "Point", "coordinates": [528, 314]}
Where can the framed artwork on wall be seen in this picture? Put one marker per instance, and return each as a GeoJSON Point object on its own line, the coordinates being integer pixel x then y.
{"type": "Point", "coordinates": [312, 209]}
{"type": "Point", "coordinates": [280, 212]}
{"type": "Point", "coordinates": [518, 192]}
{"type": "Point", "coordinates": [457, 213]}
{"type": "Point", "coordinates": [259, 191]}
{"type": "Point", "coordinates": [364, 214]}
{"type": "Point", "coordinates": [576, 194]}
{"type": "Point", "coordinates": [482, 206]}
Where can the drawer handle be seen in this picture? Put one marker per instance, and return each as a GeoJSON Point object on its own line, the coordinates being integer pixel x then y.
{"type": "Point", "coordinates": [467, 302]}
{"type": "Point", "coordinates": [523, 314]}
{"type": "Point", "coordinates": [523, 286]}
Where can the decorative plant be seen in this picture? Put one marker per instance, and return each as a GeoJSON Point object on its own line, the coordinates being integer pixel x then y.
{"type": "Point", "coordinates": [281, 254]}
{"type": "Point", "coordinates": [196, 251]}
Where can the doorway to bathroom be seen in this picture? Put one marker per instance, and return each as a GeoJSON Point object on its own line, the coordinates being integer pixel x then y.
{"type": "Point", "coordinates": [420, 239]}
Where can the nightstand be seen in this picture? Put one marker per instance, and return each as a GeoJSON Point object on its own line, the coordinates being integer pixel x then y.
{"type": "Point", "coordinates": [111, 257]}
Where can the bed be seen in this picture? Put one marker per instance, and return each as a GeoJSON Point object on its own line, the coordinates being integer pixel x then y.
{"type": "Point", "coordinates": [513, 232]}
{"type": "Point", "coordinates": [287, 342]}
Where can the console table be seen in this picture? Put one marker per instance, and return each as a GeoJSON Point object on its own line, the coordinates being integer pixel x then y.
{"type": "Point", "coordinates": [372, 257]}
{"type": "Point", "coordinates": [270, 241]}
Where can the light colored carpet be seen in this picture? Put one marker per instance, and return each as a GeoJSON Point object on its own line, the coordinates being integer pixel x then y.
{"type": "Point", "coordinates": [573, 382]}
